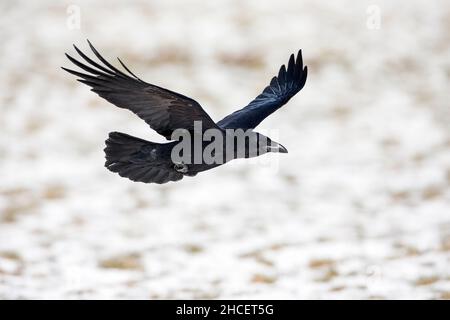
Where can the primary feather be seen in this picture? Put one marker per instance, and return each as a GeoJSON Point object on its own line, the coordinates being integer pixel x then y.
{"type": "Point", "coordinates": [282, 88]}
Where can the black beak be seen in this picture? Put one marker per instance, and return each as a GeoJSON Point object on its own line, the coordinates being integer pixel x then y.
{"type": "Point", "coordinates": [276, 147]}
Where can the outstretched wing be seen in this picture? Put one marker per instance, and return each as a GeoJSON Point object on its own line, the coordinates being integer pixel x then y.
{"type": "Point", "coordinates": [164, 110]}
{"type": "Point", "coordinates": [280, 90]}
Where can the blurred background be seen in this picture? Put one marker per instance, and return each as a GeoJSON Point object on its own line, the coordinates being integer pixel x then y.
{"type": "Point", "coordinates": [358, 208]}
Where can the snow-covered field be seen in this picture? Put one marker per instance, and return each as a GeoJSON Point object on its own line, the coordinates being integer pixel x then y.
{"type": "Point", "coordinates": [358, 208]}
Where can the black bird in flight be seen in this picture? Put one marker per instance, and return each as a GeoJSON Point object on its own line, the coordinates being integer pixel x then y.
{"type": "Point", "coordinates": [167, 111]}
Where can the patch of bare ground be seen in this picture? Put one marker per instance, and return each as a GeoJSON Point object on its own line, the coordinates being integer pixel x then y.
{"type": "Point", "coordinates": [432, 192]}
{"type": "Point", "coordinates": [129, 261]}
{"type": "Point", "coordinates": [13, 210]}
{"type": "Point", "coordinates": [249, 60]}
{"type": "Point", "coordinates": [54, 192]}
{"type": "Point", "coordinates": [14, 263]}
{"type": "Point", "coordinates": [168, 55]}
{"type": "Point", "coordinates": [426, 281]}
{"type": "Point", "coordinates": [321, 263]}
{"type": "Point", "coordinates": [445, 243]}
{"type": "Point", "coordinates": [445, 295]}
{"type": "Point", "coordinates": [258, 256]}
{"type": "Point", "coordinates": [263, 279]}
{"type": "Point", "coordinates": [193, 248]}
{"type": "Point", "coordinates": [327, 268]}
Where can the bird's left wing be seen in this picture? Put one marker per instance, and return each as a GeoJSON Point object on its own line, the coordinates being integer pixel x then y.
{"type": "Point", "coordinates": [164, 110]}
{"type": "Point", "coordinates": [282, 88]}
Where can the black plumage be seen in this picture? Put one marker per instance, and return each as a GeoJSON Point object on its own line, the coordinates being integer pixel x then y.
{"type": "Point", "coordinates": [275, 95]}
{"type": "Point", "coordinates": [166, 111]}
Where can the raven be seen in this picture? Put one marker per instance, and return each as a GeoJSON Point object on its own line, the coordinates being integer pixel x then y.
{"type": "Point", "coordinates": [167, 112]}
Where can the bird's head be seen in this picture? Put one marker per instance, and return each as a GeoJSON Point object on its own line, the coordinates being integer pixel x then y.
{"type": "Point", "coordinates": [249, 144]}
{"type": "Point", "coordinates": [265, 145]}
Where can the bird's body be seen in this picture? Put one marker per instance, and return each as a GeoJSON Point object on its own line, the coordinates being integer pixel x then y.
{"type": "Point", "coordinates": [200, 143]}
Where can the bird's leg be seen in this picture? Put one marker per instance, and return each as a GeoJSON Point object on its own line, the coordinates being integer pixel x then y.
{"type": "Point", "coordinates": [180, 167]}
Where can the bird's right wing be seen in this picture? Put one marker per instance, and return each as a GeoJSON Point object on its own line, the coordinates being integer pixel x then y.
{"type": "Point", "coordinates": [281, 89]}
{"type": "Point", "coordinates": [164, 110]}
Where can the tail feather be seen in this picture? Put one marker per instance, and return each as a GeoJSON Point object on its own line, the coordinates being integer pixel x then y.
{"type": "Point", "coordinates": [120, 146]}
{"type": "Point", "coordinates": [132, 157]}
